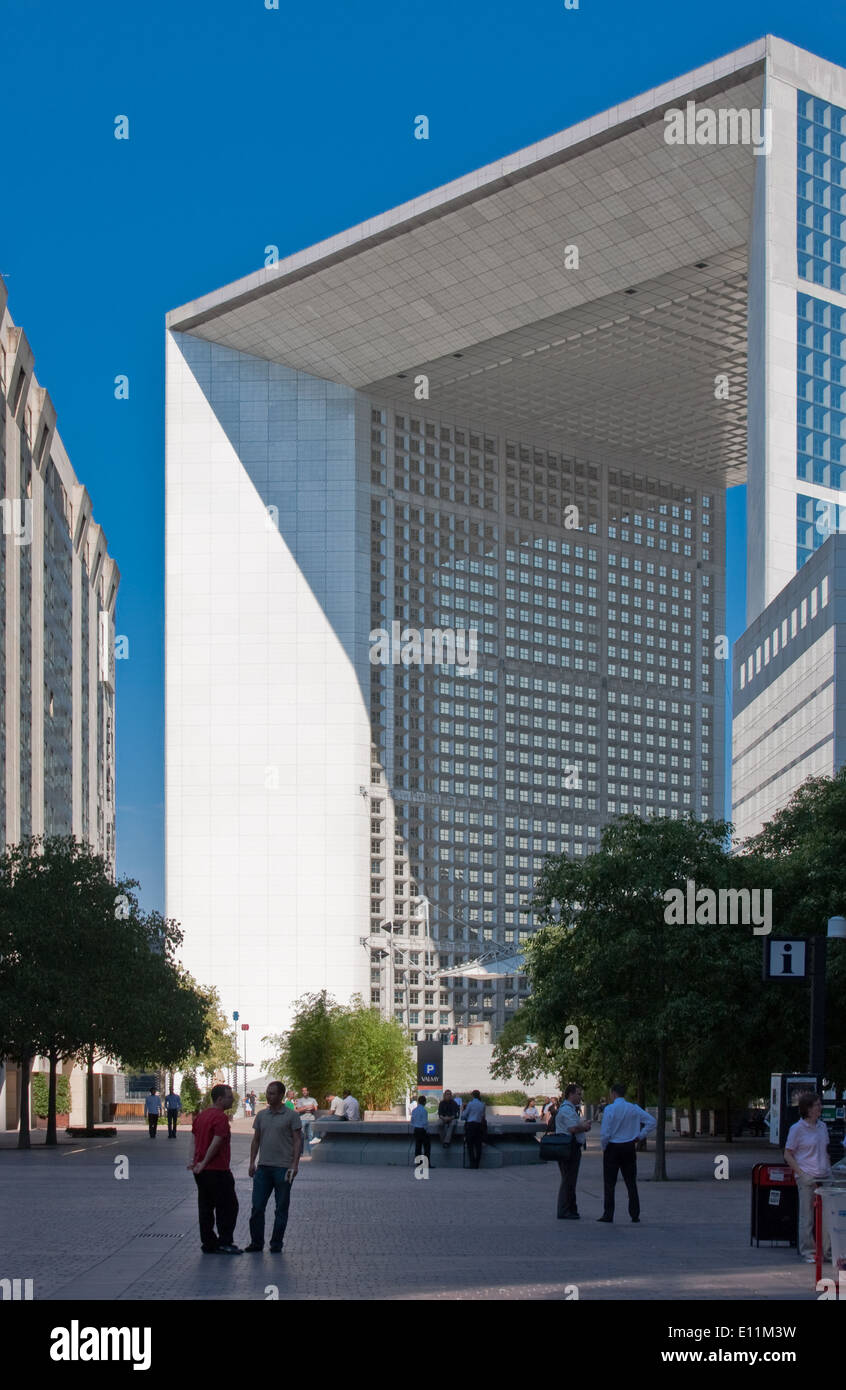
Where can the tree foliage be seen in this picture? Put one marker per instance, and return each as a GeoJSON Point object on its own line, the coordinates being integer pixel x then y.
{"type": "Point", "coordinates": [653, 1003]}
{"type": "Point", "coordinates": [332, 1047]}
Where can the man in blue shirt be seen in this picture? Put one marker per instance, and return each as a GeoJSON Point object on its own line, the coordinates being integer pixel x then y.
{"type": "Point", "coordinates": [152, 1110]}
{"type": "Point", "coordinates": [173, 1105]}
{"type": "Point", "coordinates": [623, 1124]}
{"type": "Point", "coordinates": [420, 1129]}
{"type": "Point", "coordinates": [473, 1115]}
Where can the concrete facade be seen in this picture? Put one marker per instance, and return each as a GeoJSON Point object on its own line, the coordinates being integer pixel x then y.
{"type": "Point", "coordinates": [58, 587]}
{"type": "Point", "coordinates": [538, 382]}
{"type": "Point", "coordinates": [790, 690]}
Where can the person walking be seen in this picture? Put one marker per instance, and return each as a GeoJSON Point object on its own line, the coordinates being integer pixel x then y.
{"type": "Point", "coordinates": [806, 1150]}
{"type": "Point", "coordinates": [306, 1107]}
{"type": "Point", "coordinates": [448, 1113]}
{"type": "Point", "coordinates": [152, 1110]}
{"type": "Point", "coordinates": [173, 1105]}
{"type": "Point", "coordinates": [274, 1163]}
{"type": "Point", "coordinates": [474, 1122]}
{"type": "Point", "coordinates": [420, 1130]}
{"type": "Point", "coordinates": [568, 1120]}
{"type": "Point", "coordinates": [351, 1107]}
{"type": "Point", "coordinates": [209, 1161]}
{"type": "Point", "coordinates": [623, 1126]}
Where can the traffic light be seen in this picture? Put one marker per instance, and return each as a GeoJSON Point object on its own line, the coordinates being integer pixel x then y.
{"type": "Point", "coordinates": [236, 1015]}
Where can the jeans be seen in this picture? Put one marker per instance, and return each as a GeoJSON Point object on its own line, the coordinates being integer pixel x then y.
{"type": "Point", "coordinates": [270, 1179]}
{"type": "Point", "coordinates": [172, 1121]}
{"type": "Point", "coordinates": [307, 1121]}
{"type": "Point", "coordinates": [152, 1124]}
{"type": "Point", "coordinates": [216, 1199]}
{"type": "Point", "coordinates": [422, 1142]}
{"type": "Point", "coordinates": [569, 1170]}
{"type": "Point", "coordinates": [806, 1239]}
{"type": "Point", "coordinates": [447, 1126]}
{"type": "Point", "coordinates": [621, 1158]}
{"type": "Point", "coordinates": [473, 1140]}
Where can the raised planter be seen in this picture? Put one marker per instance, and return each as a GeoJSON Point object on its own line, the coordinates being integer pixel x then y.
{"type": "Point", "coordinates": [98, 1132]}
{"type": "Point", "coordinates": [390, 1143]}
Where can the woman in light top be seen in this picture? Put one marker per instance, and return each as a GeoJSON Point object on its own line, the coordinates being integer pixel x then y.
{"type": "Point", "coordinates": [531, 1112]}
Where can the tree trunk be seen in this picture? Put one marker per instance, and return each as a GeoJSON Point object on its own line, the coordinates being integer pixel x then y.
{"type": "Point", "coordinates": [51, 1137]}
{"type": "Point", "coordinates": [727, 1099]}
{"type": "Point", "coordinates": [24, 1141]}
{"type": "Point", "coordinates": [692, 1116]}
{"type": "Point", "coordinates": [89, 1091]}
{"type": "Point", "coordinates": [660, 1174]}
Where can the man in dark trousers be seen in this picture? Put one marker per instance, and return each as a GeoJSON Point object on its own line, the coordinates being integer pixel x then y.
{"type": "Point", "coordinates": [473, 1115]}
{"type": "Point", "coordinates": [173, 1105]}
{"type": "Point", "coordinates": [274, 1163]}
{"type": "Point", "coordinates": [568, 1120]}
{"type": "Point", "coordinates": [209, 1159]}
{"type": "Point", "coordinates": [152, 1110]}
{"type": "Point", "coordinates": [448, 1113]}
{"type": "Point", "coordinates": [420, 1130]}
{"type": "Point", "coordinates": [623, 1125]}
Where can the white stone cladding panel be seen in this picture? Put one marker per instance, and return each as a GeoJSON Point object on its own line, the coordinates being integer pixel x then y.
{"type": "Point", "coordinates": [269, 881]}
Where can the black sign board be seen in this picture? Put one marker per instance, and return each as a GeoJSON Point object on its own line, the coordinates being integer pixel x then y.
{"type": "Point", "coordinates": [430, 1064]}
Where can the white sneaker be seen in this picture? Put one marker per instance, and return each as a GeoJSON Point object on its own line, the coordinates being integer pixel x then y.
{"type": "Point", "coordinates": [316, 1141]}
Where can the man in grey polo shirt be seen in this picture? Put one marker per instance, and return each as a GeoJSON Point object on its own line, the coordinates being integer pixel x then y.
{"type": "Point", "coordinates": [277, 1144]}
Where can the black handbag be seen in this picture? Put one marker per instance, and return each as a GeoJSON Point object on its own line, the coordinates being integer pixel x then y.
{"type": "Point", "coordinates": [554, 1147]}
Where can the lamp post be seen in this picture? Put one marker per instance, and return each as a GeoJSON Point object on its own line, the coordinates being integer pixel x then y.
{"type": "Point", "coordinates": [836, 930]}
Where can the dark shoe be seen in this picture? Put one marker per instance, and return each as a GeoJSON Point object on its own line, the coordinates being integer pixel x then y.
{"type": "Point", "coordinates": [210, 1249]}
{"type": "Point", "coordinates": [230, 1250]}
{"type": "Point", "coordinates": [635, 1220]}
{"type": "Point", "coordinates": [609, 1219]}
{"type": "Point", "coordinates": [253, 1249]}
{"type": "Point", "coordinates": [568, 1216]}
{"type": "Point", "coordinates": [276, 1249]}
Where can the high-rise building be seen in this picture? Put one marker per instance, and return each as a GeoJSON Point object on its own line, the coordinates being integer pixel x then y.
{"type": "Point", "coordinates": [58, 587]}
{"type": "Point", "coordinates": [790, 690]}
{"type": "Point", "coordinates": [510, 407]}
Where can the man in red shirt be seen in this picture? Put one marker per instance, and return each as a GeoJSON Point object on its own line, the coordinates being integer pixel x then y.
{"type": "Point", "coordinates": [209, 1162]}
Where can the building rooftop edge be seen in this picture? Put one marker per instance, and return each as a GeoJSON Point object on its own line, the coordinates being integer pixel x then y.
{"type": "Point", "coordinates": [468, 187]}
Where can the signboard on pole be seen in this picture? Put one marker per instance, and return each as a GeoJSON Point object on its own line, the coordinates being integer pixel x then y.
{"type": "Point", "coordinates": [430, 1066]}
{"type": "Point", "coordinates": [785, 959]}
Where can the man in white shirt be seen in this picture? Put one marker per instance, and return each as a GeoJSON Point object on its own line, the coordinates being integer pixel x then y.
{"type": "Point", "coordinates": [306, 1107]}
{"type": "Point", "coordinates": [352, 1109]}
{"type": "Point", "coordinates": [623, 1124]}
{"type": "Point", "coordinates": [806, 1150]}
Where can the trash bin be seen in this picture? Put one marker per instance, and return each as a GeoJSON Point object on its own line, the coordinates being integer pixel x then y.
{"type": "Point", "coordinates": [775, 1204]}
{"type": "Point", "coordinates": [834, 1217]}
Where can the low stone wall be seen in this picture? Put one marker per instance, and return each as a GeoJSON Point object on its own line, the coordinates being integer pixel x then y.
{"type": "Point", "coordinates": [391, 1144]}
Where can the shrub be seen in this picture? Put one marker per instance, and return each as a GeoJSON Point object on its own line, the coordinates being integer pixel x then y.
{"type": "Point", "coordinates": [40, 1093]}
{"type": "Point", "coordinates": [502, 1098]}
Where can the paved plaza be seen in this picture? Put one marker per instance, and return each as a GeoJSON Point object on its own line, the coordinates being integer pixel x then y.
{"type": "Point", "coordinates": [377, 1233]}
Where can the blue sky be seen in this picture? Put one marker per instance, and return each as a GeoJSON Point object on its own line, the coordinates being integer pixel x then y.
{"type": "Point", "coordinates": [248, 127]}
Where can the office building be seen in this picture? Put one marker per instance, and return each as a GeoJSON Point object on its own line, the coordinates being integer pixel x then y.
{"type": "Point", "coordinates": [58, 586]}
{"type": "Point", "coordinates": [510, 407]}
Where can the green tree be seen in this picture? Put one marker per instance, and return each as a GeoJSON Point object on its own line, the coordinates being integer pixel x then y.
{"type": "Point", "coordinates": [801, 852]}
{"type": "Point", "coordinates": [376, 1061]}
{"type": "Point", "coordinates": [309, 1053]}
{"type": "Point", "coordinates": [220, 1049]}
{"type": "Point", "coordinates": [646, 996]}
{"type": "Point", "coordinates": [190, 1095]}
{"type": "Point", "coordinates": [41, 1095]}
{"type": "Point", "coordinates": [330, 1046]}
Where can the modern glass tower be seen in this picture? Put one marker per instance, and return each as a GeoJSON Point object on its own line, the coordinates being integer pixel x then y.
{"type": "Point", "coordinates": [511, 406]}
